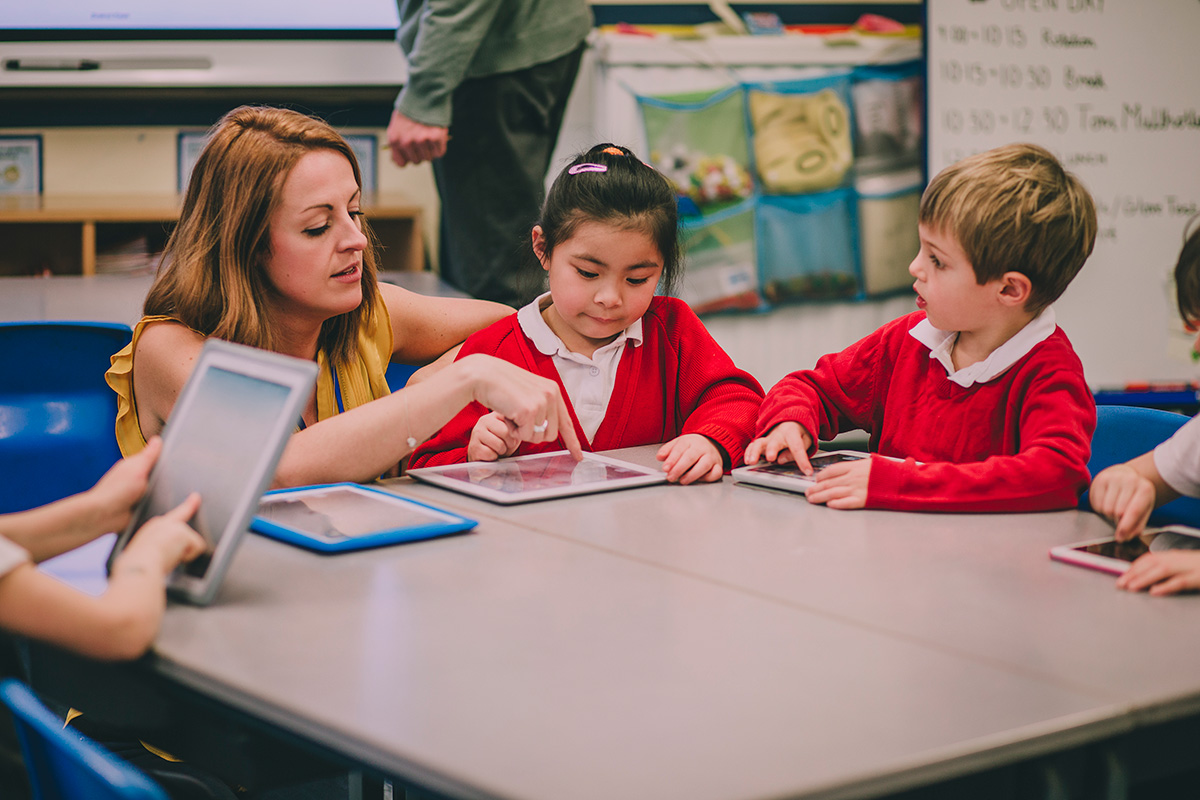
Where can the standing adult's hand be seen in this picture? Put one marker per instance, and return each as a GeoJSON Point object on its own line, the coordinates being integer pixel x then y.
{"type": "Point", "coordinates": [413, 142]}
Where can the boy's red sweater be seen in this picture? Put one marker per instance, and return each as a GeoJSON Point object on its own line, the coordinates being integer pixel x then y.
{"type": "Point", "coordinates": [1019, 442]}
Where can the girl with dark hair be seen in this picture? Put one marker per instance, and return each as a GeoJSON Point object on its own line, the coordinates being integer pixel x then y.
{"type": "Point", "coordinates": [636, 368]}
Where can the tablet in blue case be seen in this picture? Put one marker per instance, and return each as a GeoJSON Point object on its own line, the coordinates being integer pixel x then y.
{"type": "Point", "coordinates": [337, 517]}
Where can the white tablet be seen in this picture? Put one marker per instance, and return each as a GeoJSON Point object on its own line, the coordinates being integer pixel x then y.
{"type": "Point", "coordinates": [539, 477]}
{"type": "Point", "coordinates": [223, 440]}
{"type": "Point", "coordinates": [1109, 555]}
{"type": "Point", "coordinates": [788, 476]}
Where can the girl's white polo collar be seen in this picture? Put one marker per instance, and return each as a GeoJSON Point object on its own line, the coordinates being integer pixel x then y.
{"type": "Point", "coordinates": [530, 319]}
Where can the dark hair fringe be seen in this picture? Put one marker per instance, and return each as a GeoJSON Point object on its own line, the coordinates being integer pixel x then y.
{"type": "Point", "coordinates": [628, 193]}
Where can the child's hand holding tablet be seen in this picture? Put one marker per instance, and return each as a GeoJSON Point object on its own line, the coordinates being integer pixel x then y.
{"type": "Point", "coordinates": [223, 441]}
{"type": "Point", "coordinates": [791, 477]}
{"type": "Point", "coordinates": [1164, 560]}
{"type": "Point", "coordinates": [842, 484]}
{"type": "Point", "coordinates": [1162, 573]}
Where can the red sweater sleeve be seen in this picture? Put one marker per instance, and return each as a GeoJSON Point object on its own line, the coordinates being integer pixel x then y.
{"type": "Point", "coordinates": [842, 392]}
{"type": "Point", "coordinates": [1053, 415]}
{"type": "Point", "coordinates": [449, 445]}
{"type": "Point", "coordinates": [713, 397]}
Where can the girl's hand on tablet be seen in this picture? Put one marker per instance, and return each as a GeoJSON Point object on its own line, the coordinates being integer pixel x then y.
{"type": "Point", "coordinates": [842, 485]}
{"type": "Point", "coordinates": [691, 457]}
{"type": "Point", "coordinates": [491, 439]}
{"type": "Point", "coordinates": [163, 542]}
{"type": "Point", "coordinates": [1166, 572]}
{"type": "Point", "coordinates": [1125, 497]}
{"type": "Point", "coordinates": [783, 444]}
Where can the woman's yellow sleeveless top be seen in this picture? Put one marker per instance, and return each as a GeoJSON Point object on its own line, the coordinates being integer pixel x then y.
{"type": "Point", "coordinates": [361, 381]}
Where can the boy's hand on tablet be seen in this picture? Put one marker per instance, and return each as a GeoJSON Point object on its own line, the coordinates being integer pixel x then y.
{"type": "Point", "coordinates": [1125, 497]}
{"type": "Point", "coordinates": [783, 444]}
{"type": "Point", "coordinates": [842, 485]}
{"type": "Point", "coordinates": [491, 439]}
{"type": "Point", "coordinates": [691, 457]}
{"type": "Point", "coordinates": [1166, 572]}
{"type": "Point", "coordinates": [163, 542]}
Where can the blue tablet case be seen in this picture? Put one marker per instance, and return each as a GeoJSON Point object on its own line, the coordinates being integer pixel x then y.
{"type": "Point", "coordinates": [340, 517]}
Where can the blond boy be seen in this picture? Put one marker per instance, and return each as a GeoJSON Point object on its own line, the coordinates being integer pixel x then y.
{"type": "Point", "coordinates": [978, 393]}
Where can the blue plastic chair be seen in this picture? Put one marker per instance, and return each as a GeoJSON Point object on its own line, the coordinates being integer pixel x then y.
{"type": "Point", "coordinates": [65, 765]}
{"type": "Point", "coordinates": [1125, 432]}
{"type": "Point", "coordinates": [398, 374]}
{"type": "Point", "coordinates": [57, 415]}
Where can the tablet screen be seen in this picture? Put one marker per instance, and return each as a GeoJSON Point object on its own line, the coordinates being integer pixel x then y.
{"type": "Point", "coordinates": [512, 476]}
{"type": "Point", "coordinates": [1153, 539]}
{"type": "Point", "coordinates": [230, 413]}
{"type": "Point", "coordinates": [337, 512]}
{"type": "Point", "coordinates": [818, 462]}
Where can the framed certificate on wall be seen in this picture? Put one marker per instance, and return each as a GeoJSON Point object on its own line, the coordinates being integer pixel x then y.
{"type": "Point", "coordinates": [188, 148]}
{"type": "Point", "coordinates": [365, 147]}
{"type": "Point", "coordinates": [21, 164]}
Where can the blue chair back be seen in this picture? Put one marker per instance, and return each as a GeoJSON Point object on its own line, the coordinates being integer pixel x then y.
{"type": "Point", "coordinates": [57, 415]}
{"type": "Point", "coordinates": [65, 765]}
{"type": "Point", "coordinates": [1125, 432]}
{"type": "Point", "coordinates": [398, 374]}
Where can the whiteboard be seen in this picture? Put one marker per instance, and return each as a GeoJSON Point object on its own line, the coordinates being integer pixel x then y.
{"type": "Point", "coordinates": [223, 15]}
{"type": "Point", "coordinates": [1112, 87]}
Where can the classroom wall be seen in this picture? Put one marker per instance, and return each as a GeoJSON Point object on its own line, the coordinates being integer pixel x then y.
{"type": "Point", "coordinates": [142, 160]}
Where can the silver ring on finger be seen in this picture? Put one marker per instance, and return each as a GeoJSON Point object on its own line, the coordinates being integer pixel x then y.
{"type": "Point", "coordinates": [541, 426]}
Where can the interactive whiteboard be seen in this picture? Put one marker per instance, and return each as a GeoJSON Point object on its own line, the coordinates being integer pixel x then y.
{"type": "Point", "coordinates": [212, 15]}
{"type": "Point", "coordinates": [1110, 86]}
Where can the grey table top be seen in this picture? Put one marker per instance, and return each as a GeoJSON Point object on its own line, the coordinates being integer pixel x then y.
{"type": "Point", "coordinates": [979, 585]}
{"type": "Point", "coordinates": [702, 642]}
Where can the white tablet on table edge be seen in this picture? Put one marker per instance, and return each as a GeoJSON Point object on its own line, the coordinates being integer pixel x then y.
{"type": "Point", "coordinates": [788, 476]}
{"type": "Point", "coordinates": [223, 440]}
{"type": "Point", "coordinates": [1109, 555]}
{"type": "Point", "coordinates": [539, 477]}
{"type": "Point", "coordinates": [339, 517]}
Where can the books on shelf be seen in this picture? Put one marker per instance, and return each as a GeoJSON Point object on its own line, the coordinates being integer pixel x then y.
{"type": "Point", "coordinates": [132, 257]}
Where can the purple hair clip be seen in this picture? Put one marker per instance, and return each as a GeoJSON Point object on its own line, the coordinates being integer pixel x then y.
{"type": "Point", "coordinates": [578, 168]}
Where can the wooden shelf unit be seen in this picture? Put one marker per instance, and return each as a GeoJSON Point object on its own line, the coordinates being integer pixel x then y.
{"type": "Point", "coordinates": [58, 234]}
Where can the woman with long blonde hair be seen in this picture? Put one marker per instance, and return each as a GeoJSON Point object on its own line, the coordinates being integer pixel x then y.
{"type": "Point", "coordinates": [272, 250]}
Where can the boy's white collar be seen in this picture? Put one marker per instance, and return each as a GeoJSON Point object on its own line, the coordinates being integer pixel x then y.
{"type": "Point", "coordinates": [530, 319]}
{"type": "Point", "coordinates": [941, 343]}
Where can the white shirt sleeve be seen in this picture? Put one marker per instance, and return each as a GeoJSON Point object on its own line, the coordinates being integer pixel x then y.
{"type": "Point", "coordinates": [1178, 459]}
{"type": "Point", "coordinates": [12, 555]}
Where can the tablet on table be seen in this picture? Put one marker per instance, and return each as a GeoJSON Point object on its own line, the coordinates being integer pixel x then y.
{"type": "Point", "coordinates": [223, 440]}
{"type": "Point", "coordinates": [788, 476]}
{"type": "Point", "coordinates": [539, 477]}
{"type": "Point", "coordinates": [1109, 555]}
{"type": "Point", "coordinates": [339, 517]}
